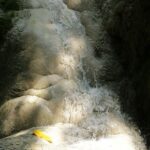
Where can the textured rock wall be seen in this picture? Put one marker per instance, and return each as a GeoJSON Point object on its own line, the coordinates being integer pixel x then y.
{"type": "Point", "coordinates": [128, 24]}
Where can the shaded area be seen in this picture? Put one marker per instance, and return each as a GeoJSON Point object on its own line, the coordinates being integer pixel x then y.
{"type": "Point", "coordinates": [128, 24]}
{"type": "Point", "coordinates": [12, 62]}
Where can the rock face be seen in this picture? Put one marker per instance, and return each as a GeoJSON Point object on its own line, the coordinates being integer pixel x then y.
{"type": "Point", "coordinates": [128, 25]}
{"type": "Point", "coordinates": [61, 66]}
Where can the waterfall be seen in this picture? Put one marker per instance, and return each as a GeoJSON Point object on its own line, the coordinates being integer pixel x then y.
{"type": "Point", "coordinates": [65, 84]}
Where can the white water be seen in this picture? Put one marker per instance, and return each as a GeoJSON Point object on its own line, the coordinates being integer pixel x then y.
{"type": "Point", "coordinates": [63, 68]}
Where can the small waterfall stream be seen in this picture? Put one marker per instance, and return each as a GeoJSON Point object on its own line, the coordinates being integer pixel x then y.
{"type": "Point", "coordinates": [64, 81]}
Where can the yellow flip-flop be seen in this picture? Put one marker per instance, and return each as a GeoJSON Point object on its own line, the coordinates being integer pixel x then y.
{"type": "Point", "coordinates": [42, 135]}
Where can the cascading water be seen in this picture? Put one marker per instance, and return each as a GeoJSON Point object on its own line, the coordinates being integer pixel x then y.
{"type": "Point", "coordinates": [64, 82]}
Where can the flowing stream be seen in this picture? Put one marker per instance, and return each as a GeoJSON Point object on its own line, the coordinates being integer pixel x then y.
{"type": "Point", "coordinates": [64, 81]}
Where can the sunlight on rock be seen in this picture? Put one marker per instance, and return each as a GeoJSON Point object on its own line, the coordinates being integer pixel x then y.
{"type": "Point", "coordinates": [70, 137]}
{"type": "Point", "coordinates": [108, 143]}
{"type": "Point", "coordinates": [42, 82]}
{"type": "Point", "coordinates": [77, 45]}
{"type": "Point", "coordinates": [73, 4]}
